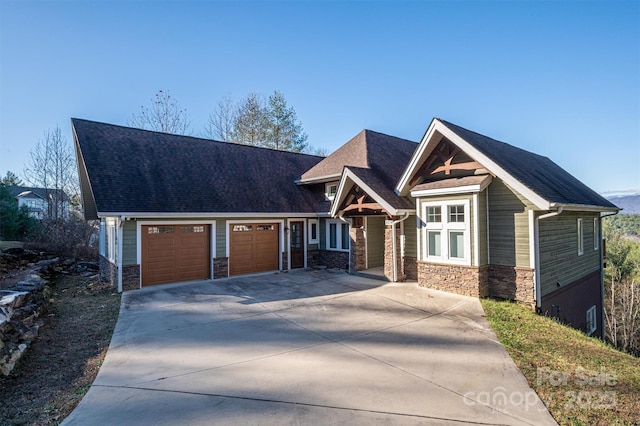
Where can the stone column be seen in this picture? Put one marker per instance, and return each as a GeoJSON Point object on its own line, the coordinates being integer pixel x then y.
{"type": "Point", "coordinates": [388, 254]}
{"type": "Point", "coordinates": [358, 259]}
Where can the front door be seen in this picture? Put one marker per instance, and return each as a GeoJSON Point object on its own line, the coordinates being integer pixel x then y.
{"type": "Point", "coordinates": [297, 244]}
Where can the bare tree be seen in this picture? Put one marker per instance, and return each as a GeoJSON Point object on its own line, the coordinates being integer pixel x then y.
{"type": "Point", "coordinates": [52, 166]}
{"type": "Point", "coordinates": [222, 120]}
{"type": "Point", "coordinates": [163, 116]}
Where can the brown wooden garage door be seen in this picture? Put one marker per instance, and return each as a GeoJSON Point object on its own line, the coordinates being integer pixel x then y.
{"type": "Point", "coordinates": [173, 253]}
{"type": "Point", "coordinates": [253, 247]}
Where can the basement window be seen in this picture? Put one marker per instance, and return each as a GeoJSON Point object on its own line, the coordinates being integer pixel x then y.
{"type": "Point", "coordinates": [591, 320]}
{"type": "Point", "coordinates": [580, 238]}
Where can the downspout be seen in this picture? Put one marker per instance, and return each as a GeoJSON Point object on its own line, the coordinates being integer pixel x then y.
{"type": "Point", "coordinates": [120, 232]}
{"type": "Point", "coordinates": [393, 245]}
{"type": "Point", "coordinates": [536, 275]}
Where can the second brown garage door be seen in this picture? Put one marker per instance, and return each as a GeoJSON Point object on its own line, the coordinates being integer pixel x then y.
{"type": "Point", "coordinates": [174, 253]}
{"type": "Point", "coordinates": [253, 247]}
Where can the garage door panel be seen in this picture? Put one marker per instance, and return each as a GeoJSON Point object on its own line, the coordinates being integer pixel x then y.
{"type": "Point", "coordinates": [253, 248]}
{"type": "Point", "coordinates": [172, 253]}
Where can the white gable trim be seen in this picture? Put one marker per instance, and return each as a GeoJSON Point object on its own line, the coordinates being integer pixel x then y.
{"type": "Point", "coordinates": [428, 143]}
{"type": "Point", "coordinates": [341, 194]}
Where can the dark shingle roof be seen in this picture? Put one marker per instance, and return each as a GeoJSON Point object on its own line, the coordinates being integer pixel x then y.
{"type": "Point", "coordinates": [39, 192]}
{"type": "Point", "coordinates": [383, 189]}
{"type": "Point", "coordinates": [131, 170]}
{"type": "Point", "coordinates": [387, 155]}
{"type": "Point", "coordinates": [538, 173]}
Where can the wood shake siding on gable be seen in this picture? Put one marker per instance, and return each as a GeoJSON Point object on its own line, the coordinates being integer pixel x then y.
{"type": "Point", "coordinates": [559, 259]}
{"type": "Point", "coordinates": [508, 226]}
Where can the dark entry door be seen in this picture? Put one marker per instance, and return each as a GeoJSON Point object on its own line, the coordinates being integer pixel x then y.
{"type": "Point", "coordinates": [297, 244]}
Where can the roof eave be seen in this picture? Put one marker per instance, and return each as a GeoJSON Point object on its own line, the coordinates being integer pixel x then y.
{"type": "Point", "coordinates": [203, 215]}
{"type": "Point", "coordinates": [584, 208]}
{"type": "Point", "coordinates": [320, 179]}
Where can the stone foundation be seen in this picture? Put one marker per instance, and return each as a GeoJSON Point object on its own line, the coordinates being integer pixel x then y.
{"type": "Point", "coordinates": [358, 249]}
{"type": "Point", "coordinates": [220, 267]}
{"type": "Point", "coordinates": [459, 279]}
{"type": "Point", "coordinates": [388, 255]}
{"type": "Point", "coordinates": [334, 259]}
{"type": "Point", "coordinates": [130, 277]}
{"type": "Point", "coordinates": [313, 258]}
{"type": "Point", "coordinates": [410, 268]}
{"type": "Point", "coordinates": [512, 283]}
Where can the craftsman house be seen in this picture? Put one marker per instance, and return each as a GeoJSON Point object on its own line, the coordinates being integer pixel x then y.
{"type": "Point", "coordinates": [458, 212]}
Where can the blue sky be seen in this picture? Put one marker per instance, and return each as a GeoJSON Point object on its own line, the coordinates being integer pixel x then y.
{"type": "Point", "coordinates": [559, 78]}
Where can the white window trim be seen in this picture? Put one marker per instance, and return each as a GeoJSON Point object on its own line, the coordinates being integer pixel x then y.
{"type": "Point", "coordinates": [327, 186]}
{"type": "Point", "coordinates": [596, 234]}
{"type": "Point", "coordinates": [102, 239]}
{"type": "Point", "coordinates": [316, 240]}
{"type": "Point", "coordinates": [445, 227]}
{"type": "Point", "coordinates": [591, 321]}
{"type": "Point", "coordinates": [580, 237]}
{"type": "Point", "coordinates": [339, 224]}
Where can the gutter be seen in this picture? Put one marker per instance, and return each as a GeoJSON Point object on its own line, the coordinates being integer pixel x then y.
{"type": "Point", "coordinates": [536, 274]}
{"type": "Point", "coordinates": [394, 248]}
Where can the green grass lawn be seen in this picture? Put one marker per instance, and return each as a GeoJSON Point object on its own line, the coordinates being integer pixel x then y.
{"type": "Point", "coordinates": [582, 380]}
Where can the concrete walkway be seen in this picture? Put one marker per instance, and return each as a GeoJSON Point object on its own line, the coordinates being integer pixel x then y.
{"type": "Point", "coordinates": [310, 347]}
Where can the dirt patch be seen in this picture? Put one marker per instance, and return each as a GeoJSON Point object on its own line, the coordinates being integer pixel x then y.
{"type": "Point", "coordinates": [59, 367]}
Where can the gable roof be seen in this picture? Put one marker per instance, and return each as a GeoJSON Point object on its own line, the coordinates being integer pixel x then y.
{"type": "Point", "coordinates": [538, 178]}
{"type": "Point", "coordinates": [126, 171]}
{"type": "Point", "coordinates": [385, 154]}
{"type": "Point", "coordinates": [24, 191]}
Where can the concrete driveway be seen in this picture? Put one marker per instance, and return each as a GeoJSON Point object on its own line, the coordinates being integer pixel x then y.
{"type": "Point", "coordinates": [310, 347]}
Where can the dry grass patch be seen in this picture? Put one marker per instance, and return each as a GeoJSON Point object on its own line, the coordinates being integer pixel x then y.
{"type": "Point", "coordinates": [59, 367]}
{"type": "Point", "coordinates": [582, 380]}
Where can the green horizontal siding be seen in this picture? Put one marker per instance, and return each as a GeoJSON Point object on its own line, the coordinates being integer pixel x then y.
{"type": "Point", "coordinates": [375, 241]}
{"type": "Point", "coordinates": [129, 246]}
{"type": "Point", "coordinates": [410, 237]}
{"type": "Point", "coordinates": [508, 226]}
{"type": "Point", "coordinates": [482, 228]}
{"type": "Point", "coordinates": [559, 259]}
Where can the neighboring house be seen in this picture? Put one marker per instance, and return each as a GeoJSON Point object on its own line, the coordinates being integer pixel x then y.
{"type": "Point", "coordinates": [42, 202]}
{"type": "Point", "coordinates": [458, 212]}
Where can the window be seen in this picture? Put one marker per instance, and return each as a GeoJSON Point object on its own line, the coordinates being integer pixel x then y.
{"type": "Point", "coordinates": [330, 190]}
{"type": "Point", "coordinates": [446, 234]}
{"type": "Point", "coordinates": [434, 244]}
{"type": "Point", "coordinates": [313, 231]}
{"type": "Point", "coordinates": [591, 320]}
{"type": "Point", "coordinates": [434, 214]}
{"type": "Point", "coordinates": [265, 227]}
{"type": "Point", "coordinates": [456, 244]}
{"type": "Point", "coordinates": [580, 238]}
{"type": "Point", "coordinates": [195, 229]}
{"type": "Point", "coordinates": [337, 235]}
{"type": "Point", "coordinates": [596, 234]}
{"type": "Point", "coordinates": [456, 214]}
{"type": "Point", "coordinates": [160, 230]}
{"type": "Point", "coordinates": [242, 228]}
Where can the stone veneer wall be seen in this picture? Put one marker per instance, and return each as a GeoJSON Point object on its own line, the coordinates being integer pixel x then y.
{"type": "Point", "coordinates": [285, 261]}
{"type": "Point", "coordinates": [130, 277]}
{"type": "Point", "coordinates": [512, 283]}
{"type": "Point", "coordinates": [388, 255]}
{"type": "Point", "coordinates": [459, 279]}
{"type": "Point", "coordinates": [108, 271]}
{"type": "Point", "coordinates": [334, 259]}
{"type": "Point", "coordinates": [313, 258]}
{"type": "Point", "coordinates": [220, 267]}
{"type": "Point", "coordinates": [410, 268]}
{"type": "Point", "coordinates": [358, 249]}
